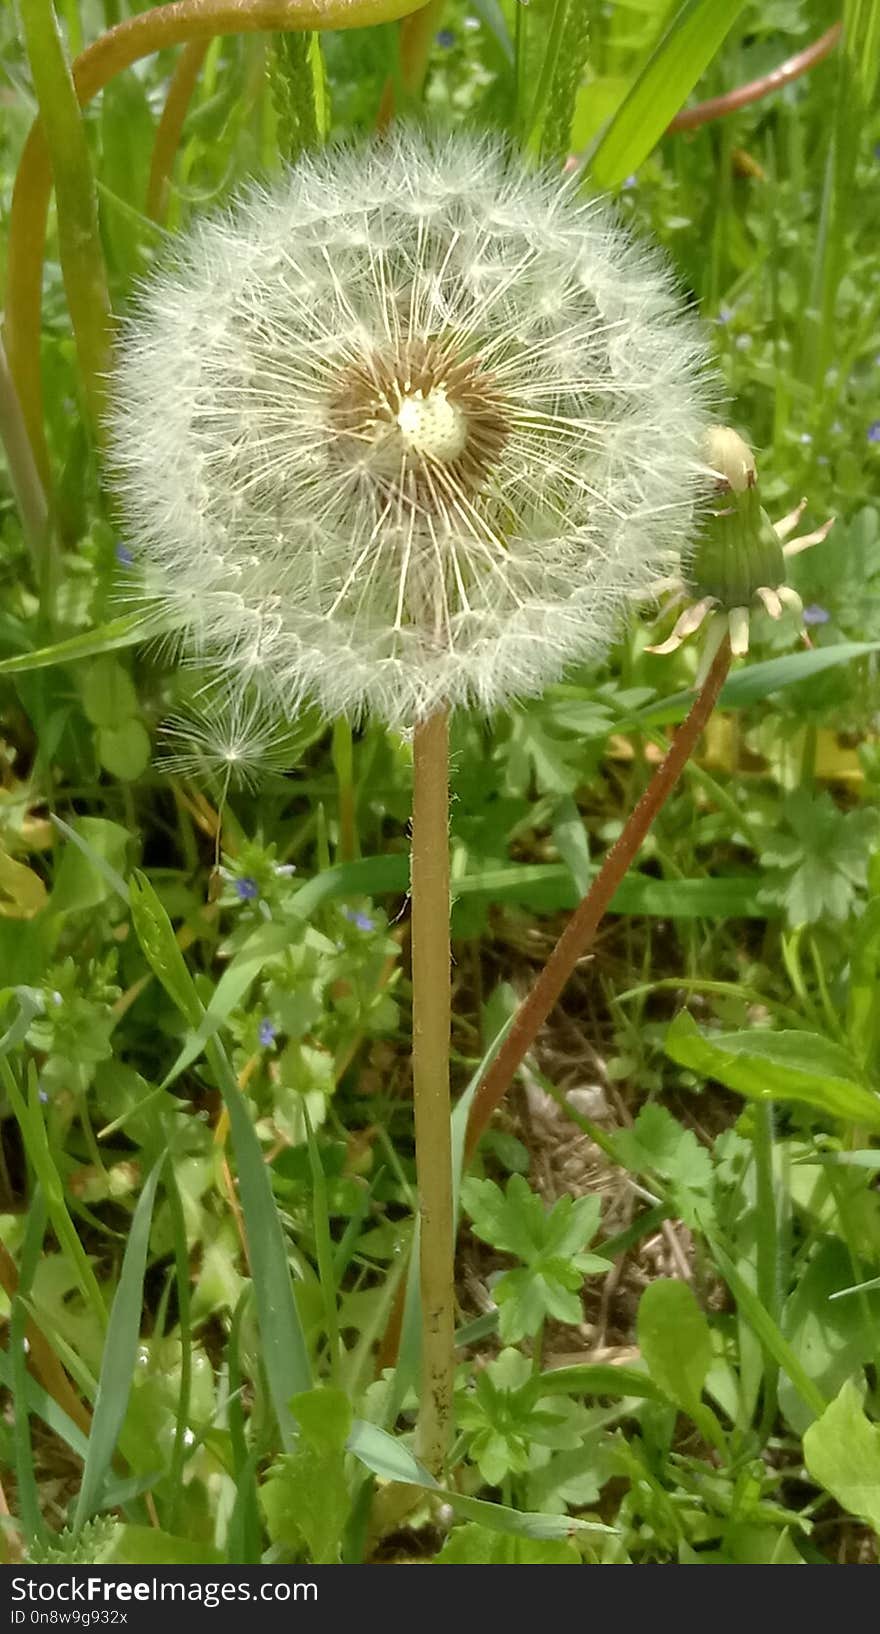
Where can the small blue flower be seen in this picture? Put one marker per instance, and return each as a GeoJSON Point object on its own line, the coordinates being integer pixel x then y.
{"type": "Point", "coordinates": [725, 313]}
{"type": "Point", "coordinates": [631, 181]}
{"type": "Point", "coordinates": [246, 889]}
{"type": "Point", "coordinates": [124, 556]}
{"type": "Point", "coordinates": [874, 432]}
{"type": "Point", "coordinates": [814, 614]}
{"type": "Point", "coordinates": [266, 1033]}
{"type": "Point", "coordinates": [42, 1094]}
{"type": "Point", "coordinates": [362, 920]}
{"type": "Point", "coordinates": [445, 38]}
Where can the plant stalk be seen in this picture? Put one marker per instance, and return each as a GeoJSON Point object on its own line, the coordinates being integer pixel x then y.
{"type": "Point", "coordinates": [581, 928]}
{"type": "Point", "coordinates": [430, 1055]}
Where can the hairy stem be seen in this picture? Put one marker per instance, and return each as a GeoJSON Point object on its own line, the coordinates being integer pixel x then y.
{"type": "Point", "coordinates": [581, 928]}
{"type": "Point", "coordinates": [431, 1022]}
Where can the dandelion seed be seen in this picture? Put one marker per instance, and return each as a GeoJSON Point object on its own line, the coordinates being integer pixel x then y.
{"type": "Point", "coordinates": [409, 431]}
{"type": "Point", "coordinates": [228, 734]}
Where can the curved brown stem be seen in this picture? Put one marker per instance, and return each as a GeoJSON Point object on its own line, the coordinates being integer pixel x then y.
{"type": "Point", "coordinates": [717, 106]}
{"type": "Point", "coordinates": [168, 131]}
{"type": "Point", "coordinates": [416, 33]}
{"type": "Point", "coordinates": [584, 922]}
{"type": "Point", "coordinates": [138, 36]}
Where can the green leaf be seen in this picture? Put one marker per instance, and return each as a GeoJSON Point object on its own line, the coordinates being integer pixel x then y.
{"type": "Point", "coordinates": [831, 1338]}
{"type": "Point", "coordinates": [390, 1459]}
{"type": "Point", "coordinates": [549, 1241]}
{"type": "Point", "coordinates": [121, 632]}
{"type": "Point", "coordinates": [765, 1328]}
{"type": "Point", "coordinates": [108, 694]}
{"type": "Point", "coordinates": [124, 751]}
{"type": "Point", "coordinates": [675, 1342]}
{"type": "Point", "coordinates": [662, 86]}
{"type": "Point", "coordinates": [570, 839]}
{"type": "Point", "coordinates": [785, 1066]}
{"type": "Point", "coordinates": [120, 1354]}
{"type": "Point", "coordinates": [91, 866]}
{"type": "Point", "coordinates": [306, 1495]}
{"type": "Point", "coordinates": [842, 1453]}
{"type": "Point", "coordinates": [160, 948]}
{"type": "Point", "coordinates": [148, 1546]}
{"type": "Point", "coordinates": [599, 1379]}
{"type": "Point", "coordinates": [473, 1545]}
{"type": "Point", "coordinates": [863, 1011]}
{"type": "Point", "coordinates": [658, 1144]}
{"type": "Point", "coordinates": [755, 682]}
{"type": "Point", "coordinates": [818, 860]}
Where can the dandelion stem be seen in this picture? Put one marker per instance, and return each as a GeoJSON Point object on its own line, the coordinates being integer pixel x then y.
{"type": "Point", "coordinates": [431, 1021]}
{"type": "Point", "coordinates": [584, 922]}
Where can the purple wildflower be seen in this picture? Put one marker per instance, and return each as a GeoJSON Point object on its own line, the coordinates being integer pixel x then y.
{"type": "Point", "coordinates": [445, 38]}
{"type": "Point", "coordinates": [874, 432]}
{"type": "Point", "coordinates": [361, 920]}
{"type": "Point", "coordinates": [124, 556]}
{"type": "Point", "coordinates": [266, 1033]}
{"type": "Point", "coordinates": [246, 888]}
{"type": "Point", "coordinates": [814, 614]}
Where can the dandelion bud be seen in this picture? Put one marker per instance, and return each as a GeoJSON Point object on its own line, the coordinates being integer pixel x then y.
{"type": "Point", "coordinates": [408, 430]}
{"type": "Point", "coordinates": [738, 553]}
{"type": "Point", "coordinates": [730, 458]}
{"type": "Point", "coordinates": [740, 559]}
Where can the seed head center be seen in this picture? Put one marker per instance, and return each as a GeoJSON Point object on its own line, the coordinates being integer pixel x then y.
{"type": "Point", "coordinates": [432, 426]}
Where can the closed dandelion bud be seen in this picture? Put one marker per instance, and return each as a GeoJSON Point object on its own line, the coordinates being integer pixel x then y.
{"type": "Point", "coordinates": [738, 552]}
{"type": "Point", "coordinates": [409, 430]}
{"type": "Point", "coordinates": [740, 558]}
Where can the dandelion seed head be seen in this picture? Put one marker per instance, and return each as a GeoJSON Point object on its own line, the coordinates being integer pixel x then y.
{"type": "Point", "coordinates": [411, 429]}
{"type": "Point", "coordinates": [228, 735]}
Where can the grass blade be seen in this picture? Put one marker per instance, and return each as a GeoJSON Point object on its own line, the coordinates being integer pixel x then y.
{"type": "Point", "coordinates": [661, 87]}
{"type": "Point", "coordinates": [120, 1354]}
{"type": "Point", "coordinates": [28, 1491]}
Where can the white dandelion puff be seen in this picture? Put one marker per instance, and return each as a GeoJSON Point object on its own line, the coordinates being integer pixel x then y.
{"type": "Point", "coordinates": [409, 430]}
{"type": "Point", "coordinates": [228, 736]}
